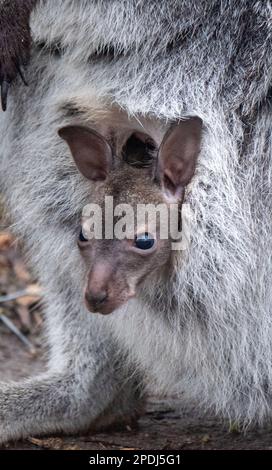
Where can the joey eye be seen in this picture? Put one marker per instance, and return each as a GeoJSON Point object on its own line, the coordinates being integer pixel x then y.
{"type": "Point", "coordinates": [81, 237]}
{"type": "Point", "coordinates": [144, 241]}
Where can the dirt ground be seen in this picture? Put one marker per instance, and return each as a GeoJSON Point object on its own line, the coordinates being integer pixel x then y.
{"type": "Point", "coordinates": [163, 426]}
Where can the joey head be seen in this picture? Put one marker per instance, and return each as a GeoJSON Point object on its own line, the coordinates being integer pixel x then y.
{"type": "Point", "coordinates": [118, 267]}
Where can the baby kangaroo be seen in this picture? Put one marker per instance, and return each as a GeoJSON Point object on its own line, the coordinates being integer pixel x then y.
{"type": "Point", "coordinates": [118, 264]}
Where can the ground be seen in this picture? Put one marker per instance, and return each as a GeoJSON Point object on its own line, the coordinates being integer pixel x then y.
{"type": "Point", "coordinates": [163, 426]}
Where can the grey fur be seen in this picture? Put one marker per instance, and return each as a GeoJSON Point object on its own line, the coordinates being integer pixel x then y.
{"type": "Point", "coordinates": [208, 335]}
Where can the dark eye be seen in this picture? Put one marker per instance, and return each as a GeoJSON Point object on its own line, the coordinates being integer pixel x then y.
{"type": "Point", "coordinates": [144, 241]}
{"type": "Point", "coordinates": [81, 237]}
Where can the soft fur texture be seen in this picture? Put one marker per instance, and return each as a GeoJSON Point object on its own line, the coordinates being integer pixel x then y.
{"type": "Point", "coordinates": [208, 335]}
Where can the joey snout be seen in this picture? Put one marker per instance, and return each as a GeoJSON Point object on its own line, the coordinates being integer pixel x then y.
{"type": "Point", "coordinates": [107, 288]}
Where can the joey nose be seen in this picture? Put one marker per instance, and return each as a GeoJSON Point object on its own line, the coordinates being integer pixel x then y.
{"type": "Point", "coordinates": [95, 300]}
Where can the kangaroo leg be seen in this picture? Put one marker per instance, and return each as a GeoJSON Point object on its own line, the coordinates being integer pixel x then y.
{"type": "Point", "coordinates": [15, 42]}
{"type": "Point", "coordinates": [85, 382]}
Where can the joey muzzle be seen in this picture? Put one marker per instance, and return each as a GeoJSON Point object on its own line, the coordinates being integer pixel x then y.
{"type": "Point", "coordinates": [95, 300]}
{"type": "Point", "coordinates": [106, 290]}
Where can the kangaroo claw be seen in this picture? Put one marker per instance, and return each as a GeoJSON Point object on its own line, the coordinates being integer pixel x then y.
{"type": "Point", "coordinates": [19, 70]}
{"type": "Point", "coordinates": [4, 93]}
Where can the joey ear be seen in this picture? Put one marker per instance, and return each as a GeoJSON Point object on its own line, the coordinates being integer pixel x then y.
{"type": "Point", "coordinates": [178, 154]}
{"type": "Point", "coordinates": [90, 150]}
